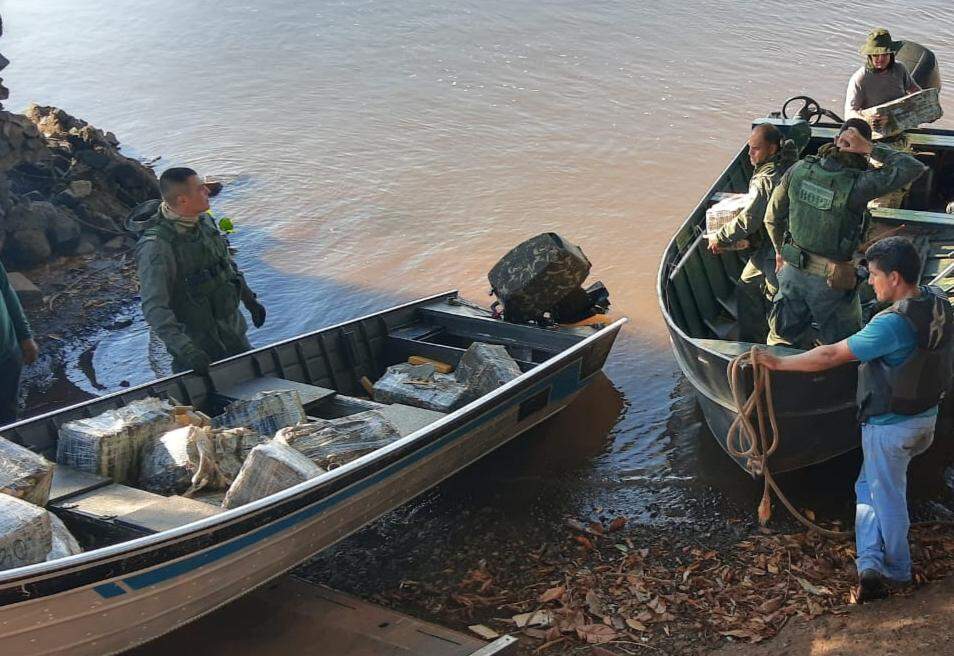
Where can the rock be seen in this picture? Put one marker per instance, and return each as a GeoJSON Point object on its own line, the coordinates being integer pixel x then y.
{"type": "Point", "coordinates": [114, 244]}
{"type": "Point", "coordinates": [81, 188]}
{"type": "Point", "coordinates": [63, 234]}
{"type": "Point", "coordinates": [84, 247]}
{"type": "Point", "coordinates": [24, 287]}
{"type": "Point", "coordinates": [93, 159]}
{"type": "Point", "coordinates": [32, 215]}
{"type": "Point", "coordinates": [28, 247]}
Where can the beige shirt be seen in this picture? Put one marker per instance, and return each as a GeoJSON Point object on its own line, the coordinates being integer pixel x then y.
{"type": "Point", "coordinates": [868, 88]}
{"type": "Point", "coordinates": [182, 223]}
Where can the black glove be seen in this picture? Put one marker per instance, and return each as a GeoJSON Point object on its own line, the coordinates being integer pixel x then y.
{"type": "Point", "coordinates": [197, 359]}
{"type": "Point", "coordinates": [257, 310]}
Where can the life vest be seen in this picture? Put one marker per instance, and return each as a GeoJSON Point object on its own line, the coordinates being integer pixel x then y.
{"type": "Point", "coordinates": [919, 382]}
{"type": "Point", "coordinates": [819, 219]}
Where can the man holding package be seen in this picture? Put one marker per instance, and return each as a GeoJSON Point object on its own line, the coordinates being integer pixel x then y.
{"type": "Point", "coordinates": [771, 156]}
{"type": "Point", "coordinates": [816, 221]}
{"type": "Point", "coordinates": [881, 80]}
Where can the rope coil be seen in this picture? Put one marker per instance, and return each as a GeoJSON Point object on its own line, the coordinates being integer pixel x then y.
{"type": "Point", "coordinates": [749, 440]}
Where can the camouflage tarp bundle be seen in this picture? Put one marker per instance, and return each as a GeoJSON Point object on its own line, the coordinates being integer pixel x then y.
{"type": "Point", "coordinates": [420, 386]}
{"type": "Point", "coordinates": [264, 413]}
{"type": "Point", "coordinates": [191, 458]}
{"type": "Point", "coordinates": [332, 443]}
{"type": "Point", "coordinates": [269, 468]}
{"type": "Point", "coordinates": [24, 474]}
{"type": "Point", "coordinates": [485, 367]}
{"type": "Point", "coordinates": [25, 533]}
{"type": "Point", "coordinates": [536, 275]}
{"type": "Point", "coordinates": [109, 444]}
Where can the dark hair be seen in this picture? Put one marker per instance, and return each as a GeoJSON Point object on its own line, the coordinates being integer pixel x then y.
{"type": "Point", "coordinates": [859, 124]}
{"type": "Point", "coordinates": [769, 133]}
{"type": "Point", "coordinates": [171, 181]}
{"type": "Point", "coordinates": [896, 254]}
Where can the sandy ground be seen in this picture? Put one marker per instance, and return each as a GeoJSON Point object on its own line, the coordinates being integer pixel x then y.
{"type": "Point", "coordinates": [917, 623]}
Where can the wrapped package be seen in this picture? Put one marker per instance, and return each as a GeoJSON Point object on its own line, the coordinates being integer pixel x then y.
{"type": "Point", "coordinates": [723, 212]}
{"type": "Point", "coordinates": [24, 474]}
{"type": "Point", "coordinates": [109, 444]}
{"type": "Point", "coordinates": [332, 443]}
{"type": "Point", "coordinates": [269, 468]}
{"type": "Point", "coordinates": [62, 542]}
{"type": "Point", "coordinates": [264, 413]}
{"type": "Point", "coordinates": [905, 113]}
{"type": "Point", "coordinates": [25, 533]}
{"type": "Point", "coordinates": [191, 458]}
{"type": "Point", "coordinates": [420, 386]}
{"type": "Point", "coordinates": [485, 367]}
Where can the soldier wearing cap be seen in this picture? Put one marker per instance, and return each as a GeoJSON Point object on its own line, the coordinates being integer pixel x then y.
{"type": "Point", "coordinates": [189, 285]}
{"type": "Point", "coordinates": [882, 79]}
{"type": "Point", "coordinates": [816, 221]}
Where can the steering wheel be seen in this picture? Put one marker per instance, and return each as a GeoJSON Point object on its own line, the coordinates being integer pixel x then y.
{"type": "Point", "coordinates": [810, 110]}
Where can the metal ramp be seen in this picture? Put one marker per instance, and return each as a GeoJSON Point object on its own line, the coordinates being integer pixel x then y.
{"type": "Point", "coordinates": [292, 616]}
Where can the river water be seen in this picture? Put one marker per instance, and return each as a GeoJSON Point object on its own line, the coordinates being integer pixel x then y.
{"type": "Point", "coordinates": [379, 151]}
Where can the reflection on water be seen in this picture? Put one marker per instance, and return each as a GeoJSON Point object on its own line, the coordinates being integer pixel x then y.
{"type": "Point", "coordinates": [381, 151]}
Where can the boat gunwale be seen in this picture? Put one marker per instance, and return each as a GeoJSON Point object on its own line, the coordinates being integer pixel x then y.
{"type": "Point", "coordinates": [63, 566]}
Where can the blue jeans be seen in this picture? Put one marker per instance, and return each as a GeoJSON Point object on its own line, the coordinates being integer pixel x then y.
{"type": "Point", "coordinates": [881, 515]}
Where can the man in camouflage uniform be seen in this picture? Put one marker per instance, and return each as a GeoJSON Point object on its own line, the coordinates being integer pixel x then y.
{"type": "Point", "coordinates": [882, 79]}
{"type": "Point", "coordinates": [816, 220]}
{"type": "Point", "coordinates": [771, 156]}
{"type": "Point", "coordinates": [189, 285]}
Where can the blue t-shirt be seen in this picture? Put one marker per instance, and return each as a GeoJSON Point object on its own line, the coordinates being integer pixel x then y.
{"type": "Point", "coordinates": [890, 337]}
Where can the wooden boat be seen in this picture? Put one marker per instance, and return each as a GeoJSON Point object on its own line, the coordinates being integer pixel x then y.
{"type": "Point", "coordinates": [161, 562]}
{"type": "Point", "coordinates": [697, 294]}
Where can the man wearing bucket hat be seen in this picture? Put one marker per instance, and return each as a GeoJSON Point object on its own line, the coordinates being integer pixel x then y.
{"type": "Point", "coordinates": [882, 79]}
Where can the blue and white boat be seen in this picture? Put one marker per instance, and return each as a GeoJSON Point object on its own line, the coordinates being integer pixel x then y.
{"type": "Point", "coordinates": [155, 563]}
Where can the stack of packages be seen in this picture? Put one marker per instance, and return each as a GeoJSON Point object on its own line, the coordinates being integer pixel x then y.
{"type": "Point", "coordinates": [724, 212]}
{"type": "Point", "coordinates": [482, 369]}
{"type": "Point", "coordinates": [28, 532]}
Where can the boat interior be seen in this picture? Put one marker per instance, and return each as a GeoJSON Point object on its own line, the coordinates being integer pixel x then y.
{"type": "Point", "coordinates": [325, 368]}
{"type": "Point", "coordinates": [700, 288]}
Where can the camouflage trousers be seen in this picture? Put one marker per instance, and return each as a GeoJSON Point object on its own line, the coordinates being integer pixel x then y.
{"type": "Point", "coordinates": [804, 298]}
{"type": "Point", "coordinates": [893, 199]}
{"type": "Point", "coordinates": [757, 287]}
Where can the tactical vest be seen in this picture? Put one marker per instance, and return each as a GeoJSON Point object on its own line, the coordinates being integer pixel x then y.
{"type": "Point", "coordinates": [819, 219]}
{"type": "Point", "coordinates": [919, 382]}
{"type": "Point", "coordinates": [205, 294]}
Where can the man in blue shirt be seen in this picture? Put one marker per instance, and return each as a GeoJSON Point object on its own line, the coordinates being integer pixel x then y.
{"type": "Point", "coordinates": [905, 353]}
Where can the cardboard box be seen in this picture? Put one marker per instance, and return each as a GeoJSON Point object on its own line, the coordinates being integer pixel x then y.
{"type": "Point", "coordinates": [905, 113]}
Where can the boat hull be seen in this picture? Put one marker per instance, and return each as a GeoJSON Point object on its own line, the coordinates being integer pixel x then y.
{"type": "Point", "coordinates": [115, 598]}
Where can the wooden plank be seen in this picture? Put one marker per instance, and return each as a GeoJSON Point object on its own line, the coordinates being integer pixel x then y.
{"type": "Point", "coordinates": [247, 389]}
{"type": "Point", "coordinates": [292, 615]}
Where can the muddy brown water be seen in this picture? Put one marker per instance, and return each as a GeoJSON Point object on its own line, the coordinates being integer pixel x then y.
{"type": "Point", "coordinates": [380, 151]}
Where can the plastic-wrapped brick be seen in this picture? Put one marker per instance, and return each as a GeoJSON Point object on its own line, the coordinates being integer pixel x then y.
{"type": "Point", "coordinates": [110, 443]}
{"type": "Point", "coordinates": [905, 113]}
{"type": "Point", "coordinates": [62, 543]}
{"type": "Point", "coordinates": [264, 413]}
{"type": "Point", "coordinates": [724, 212]}
{"type": "Point", "coordinates": [24, 474]}
{"type": "Point", "coordinates": [332, 443]}
{"type": "Point", "coordinates": [269, 468]}
{"type": "Point", "coordinates": [485, 367]}
{"type": "Point", "coordinates": [420, 386]}
{"type": "Point", "coordinates": [25, 533]}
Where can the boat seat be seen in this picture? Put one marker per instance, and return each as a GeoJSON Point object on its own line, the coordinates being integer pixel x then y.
{"type": "Point", "coordinates": [68, 482]}
{"type": "Point", "coordinates": [247, 389]}
{"type": "Point", "coordinates": [408, 419]}
{"type": "Point", "coordinates": [120, 512]}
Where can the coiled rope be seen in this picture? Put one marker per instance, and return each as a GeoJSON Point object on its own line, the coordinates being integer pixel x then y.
{"type": "Point", "coordinates": [754, 436]}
